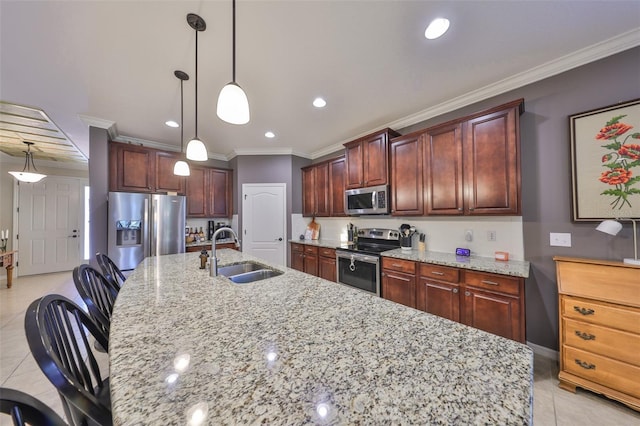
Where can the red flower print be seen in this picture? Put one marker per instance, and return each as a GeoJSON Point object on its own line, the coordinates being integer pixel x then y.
{"type": "Point", "coordinates": [616, 176]}
{"type": "Point", "coordinates": [612, 131]}
{"type": "Point", "coordinates": [631, 151]}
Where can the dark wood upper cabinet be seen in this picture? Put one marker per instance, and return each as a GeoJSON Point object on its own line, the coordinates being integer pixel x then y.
{"type": "Point", "coordinates": [209, 192]}
{"type": "Point", "coordinates": [492, 162]}
{"type": "Point", "coordinates": [406, 175]}
{"type": "Point", "coordinates": [131, 168]}
{"type": "Point", "coordinates": [165, 180]}
{"type": "Point", "coordinates": [318, 188]}
{"type": "Point", "coordinates": [444, 170]}
{"type": "Point", "coordinates": [367, 160]}
{"type": "Point", "coordinates": [337, 187]}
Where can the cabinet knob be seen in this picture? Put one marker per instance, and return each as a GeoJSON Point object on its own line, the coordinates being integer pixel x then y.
{"type": "Point", "coordinates": [455, 290]}
{"type": "Point", "coordinates": [459, 209]}
{"type": "Point", "coordinates": [467, 293]}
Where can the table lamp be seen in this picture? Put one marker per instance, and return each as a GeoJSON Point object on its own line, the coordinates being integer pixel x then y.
{"type": "Point", "coordinates": [612, 227]}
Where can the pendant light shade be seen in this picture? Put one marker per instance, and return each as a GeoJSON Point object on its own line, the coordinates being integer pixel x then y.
{"type": "Point", "coordinates": [26, 175]}
{"type": "Point", "coordinates": [181, 168]}
{"type": "Point", "coordinates": [196, 150]}
{"type": "Point", "coordinates": [233, 105]}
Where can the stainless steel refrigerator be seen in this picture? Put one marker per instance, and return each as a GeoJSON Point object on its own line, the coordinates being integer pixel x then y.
{"type": "Point", "coordinates": [142, 225]}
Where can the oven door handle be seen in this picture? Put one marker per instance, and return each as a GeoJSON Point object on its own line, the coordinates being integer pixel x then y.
{"type": "Point", "coordinates": [356, 256]}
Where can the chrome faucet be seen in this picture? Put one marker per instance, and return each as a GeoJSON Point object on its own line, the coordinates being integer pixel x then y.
{"type": "Point", "coordinates": [213, 262]}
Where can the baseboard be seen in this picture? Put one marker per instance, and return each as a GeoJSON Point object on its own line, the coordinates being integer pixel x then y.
{"type": "Point", "coordinates": [543, 351]}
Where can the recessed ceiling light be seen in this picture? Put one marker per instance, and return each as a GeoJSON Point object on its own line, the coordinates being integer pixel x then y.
{"type": "Point", "coordinates": [270, 135]}
{"type": "Point", "coordinates": [319, 103]}
{"type": "Point", "coordinates": [436, 28]}
{"type": "Point", "coordinates": [171, 123]}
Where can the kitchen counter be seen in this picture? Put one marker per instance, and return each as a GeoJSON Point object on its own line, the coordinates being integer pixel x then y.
{"type": "Point", "coordinates": [297, 349]}
{"type": "Point", "coordinates": [207, 243]}
{"type": "Point", "coordinates": [322, 242]}
{"type": "Point", "coordinates": [516, 268]}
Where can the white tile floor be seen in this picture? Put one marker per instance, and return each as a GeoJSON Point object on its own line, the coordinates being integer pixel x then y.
{"type": "Point", "coordinates": [18, 370]}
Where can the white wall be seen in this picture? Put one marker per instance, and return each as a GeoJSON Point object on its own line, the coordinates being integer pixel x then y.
{"type": "Point", "coordinates": [443, 234]}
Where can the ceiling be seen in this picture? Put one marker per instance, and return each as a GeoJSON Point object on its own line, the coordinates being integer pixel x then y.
{"type": "Point", "coordinates": [111, 64]}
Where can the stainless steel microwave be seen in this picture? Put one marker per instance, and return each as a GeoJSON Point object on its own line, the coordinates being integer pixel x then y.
{"type": "Point", "coordinates": [370, 200]}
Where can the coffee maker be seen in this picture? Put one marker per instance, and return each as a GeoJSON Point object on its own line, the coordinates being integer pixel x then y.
{"type": "Point", "coordinates": [211, 228]}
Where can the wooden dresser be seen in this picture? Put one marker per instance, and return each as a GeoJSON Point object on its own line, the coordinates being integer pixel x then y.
{"type": "Point", "coordinates": [599, 310]}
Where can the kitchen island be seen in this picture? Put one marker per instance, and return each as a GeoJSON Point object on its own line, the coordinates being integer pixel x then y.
{"type": "Point", "coordinates": [297, 349]}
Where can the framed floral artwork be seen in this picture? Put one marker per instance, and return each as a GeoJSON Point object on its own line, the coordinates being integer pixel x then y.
{"type": "Point", "coordinates": [605, 162]}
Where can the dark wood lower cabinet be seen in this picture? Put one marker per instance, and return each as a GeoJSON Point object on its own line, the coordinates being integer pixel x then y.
{"type": "Point", "coordinates": [399, 281]}
{"type": "Point", "coordinates": [439, 298]}
{"type": "Point", "coordinates": [495, 313]}
{"type": "Point", "coordinates": [327, 264]}
{"type": "Point", "coordinates": [297, 257]}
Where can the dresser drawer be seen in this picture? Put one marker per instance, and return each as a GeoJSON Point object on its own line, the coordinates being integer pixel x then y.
{"type": "Point", "coordinates": [493, 282]}
{"type": "Point", "coordinates": [619, 345]}
{"type": "Point", "coordinates": [441, 273]}
{"type": "Point", "coordinates": [605, 371]}
{"type": "Point", "coordinates": [327, 252]}
{"type": "Point", "coordinates": [620, 317]}
{"type": "Point", "coordinates": [399, 265]}
{"type": "Point", "coordinates": [311, 249]}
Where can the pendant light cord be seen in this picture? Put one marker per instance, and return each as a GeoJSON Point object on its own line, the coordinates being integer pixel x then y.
{"type": "Point", "coordinates": [181, 117]}
{"type": "Point", "coordinates": [233, 42]}
{"type": "Point", "coordinates": [196, 84]}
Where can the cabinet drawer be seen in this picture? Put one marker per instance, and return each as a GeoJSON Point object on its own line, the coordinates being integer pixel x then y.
{"type": "Point", "coordinates": [605, 341]}
{"type": "Point", "coordinates": [327, 252]}
{"type": "Point", "coordinates": [605, 371]}
{"type": "Point", "coordinates": [621, 317]}
{"type": "Point", "coordinates": [493, 282]}
{"type": "Point", "coordinates": [297, 247]}
{"type": "Point", "coordinates": [399, 265]}
{"type": "Point", "coordinates": [442, 273]}
{"type": "Point", "coordinates": [311, 249]}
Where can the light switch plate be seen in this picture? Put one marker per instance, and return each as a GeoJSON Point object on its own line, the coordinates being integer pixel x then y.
{"type": "Point", "coordinates": [560, 239]}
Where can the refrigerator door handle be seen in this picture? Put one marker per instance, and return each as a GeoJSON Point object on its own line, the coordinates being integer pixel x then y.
{"type": "Point", "coordinates": [147, 234]}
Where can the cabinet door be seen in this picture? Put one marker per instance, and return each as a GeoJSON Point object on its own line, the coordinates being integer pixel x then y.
{"type": "Point", "coordinates": [308, 191]}
{"type": "Point", "coordinates": [165, 180]}
{"type": "Point", "coordinates": [443, 170]}
{"type": "Point", "coordinates": [336, 187]}
{"type": "Point", "coordinates": [492, 312]}
{"type": "Point", "coordinates": [406, 176]}
{"type": "Point", "coordinates": [297, 257]}
{"type": "Point", "coordinates": [399, 287]}
{"type": "Point", "coordinates": [439, 298]}
{"type": "Point", "coordinates": [219, 193]}
{"type": "Point", "coordinates": [131, 168]}
{"type": "Point", "coordinates": [321, 190]}
{"type": "Point", "coordinates": [375, 160]}
{"type": "Point", "coordinates": [197, 184]}
{"type": "Point", "coordinates": [354, 160]}
{"type": "Point", "coordinates": [311, 264]}
{"type": "Point", "coordinates": [492, 172]}
{"type": "Point", "coordinates": [327, 268]}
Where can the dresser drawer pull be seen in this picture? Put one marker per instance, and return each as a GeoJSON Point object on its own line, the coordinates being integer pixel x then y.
{"type": "Point", "coordinates": [584, 311]}
{"type": "Point", "coordinates": [437, 273]}
{"type": "Point", "coordinates": [585, 365]}
{"type": "Point", "coordinates": [585, 336]}
{"type": "Point", "coordinates": [489, 282]}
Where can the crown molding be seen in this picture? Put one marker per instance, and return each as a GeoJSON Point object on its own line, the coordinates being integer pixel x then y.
{"type": "Point", "coordinates": [266, 151]}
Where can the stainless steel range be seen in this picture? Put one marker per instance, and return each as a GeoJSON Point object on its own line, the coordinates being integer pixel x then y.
{"type": "Point", "coordinates": [358, 265]}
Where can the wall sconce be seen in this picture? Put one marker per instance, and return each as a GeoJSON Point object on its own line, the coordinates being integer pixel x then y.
{"type": "Point", "coordinates": [612, 227]}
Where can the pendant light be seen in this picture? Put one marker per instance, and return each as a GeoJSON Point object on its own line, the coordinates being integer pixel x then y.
{"type": "Point", "coordinates": [196, 150]}
{"type": "Point", "coordinates": [233, 105]}
{"type": "Point", "coordinates": [26, 175]}
{"type": "Point", "coordinates": [181, 168]}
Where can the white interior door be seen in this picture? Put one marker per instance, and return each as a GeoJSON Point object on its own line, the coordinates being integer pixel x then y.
{"type": "Point", "coordinates": [264, 221]}
{"type": "Point", "coordinates": [49, 225]}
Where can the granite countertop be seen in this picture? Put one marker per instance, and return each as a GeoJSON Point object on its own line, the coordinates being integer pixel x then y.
{"type": "Point", "coordinates": [208, 242]}
{"type": "Point", "coordinates": [322, 242]}
{"type": "Point", "coordinates": [297, 349]}
{"type": "Point", "coordinates": [517, 268]}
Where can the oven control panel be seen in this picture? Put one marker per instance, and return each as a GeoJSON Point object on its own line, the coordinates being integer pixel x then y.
{"type": "Point", "coordinates": [382, 234]}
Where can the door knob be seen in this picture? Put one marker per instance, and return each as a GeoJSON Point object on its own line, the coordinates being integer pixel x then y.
{"type": "Point", "coordinates": [280, 239]}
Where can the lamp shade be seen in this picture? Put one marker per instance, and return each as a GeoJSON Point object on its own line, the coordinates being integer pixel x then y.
{"type": "Point", "coordinates": [233, 105]}
{"type": "Point", "coordinates": [28, 177]}
{"type": "Point", "coordinates": [196, 150]}
{"type": "Point", "coordinates": [611, 227]}
{"type": "Point", "coordinates": [181, 168]}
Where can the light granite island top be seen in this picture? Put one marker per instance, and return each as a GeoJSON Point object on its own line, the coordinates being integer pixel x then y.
{"type": "Point", "coordinates": [296, 349]}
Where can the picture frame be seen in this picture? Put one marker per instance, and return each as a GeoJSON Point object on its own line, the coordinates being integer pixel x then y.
{"type": "Point", "coordinates": [605, 162]}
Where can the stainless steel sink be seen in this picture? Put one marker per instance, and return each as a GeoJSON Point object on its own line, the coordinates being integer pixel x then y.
{"type": "Point", "coordinates": [239, 268]}
{"type": "Point", "coordinates": [249, 277]}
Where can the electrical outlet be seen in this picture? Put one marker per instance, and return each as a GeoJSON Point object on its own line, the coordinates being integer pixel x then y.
{"type": "Point", "coordinates": [560, 239]}
{"type": "Point", "coordinates": [468, 235]}
{"type": "Point", "coordinates": [491, 235]}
